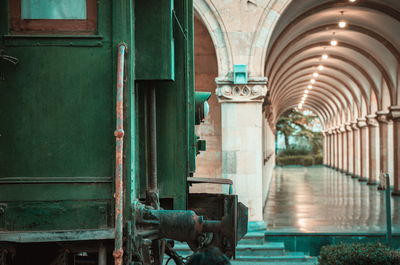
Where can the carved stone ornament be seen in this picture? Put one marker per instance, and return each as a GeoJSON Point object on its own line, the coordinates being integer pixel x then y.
{"type": "Point", "coordinates": [371, 120]}
{"type": "Point", "coordinates": [395, 113]}
{"type": "Point", "coordinates": [254, 91]}
{"type": "Point", "coordinates": [348, 127]}
{"type": "Point", "coordinates": [383, 116]}
{"type": "Point", "coordinates": [362, 122]}
{"type": "Point", "coordinates": [354, 125]}
{"type": "Point", "coordinates": [342, 128]}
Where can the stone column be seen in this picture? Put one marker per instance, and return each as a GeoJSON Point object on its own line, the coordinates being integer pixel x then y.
{"type": "Point", "coordinates": [356, 150]}
{"type": "Point", "coordinates": [330, 151]}
{"type": "Point", "coordinates": [340, 149]}
{"type": "Point", "coordinates": [350, 150]}
{"type": "Point", "coordinates": [364, 158]}
{"type": "Point", "coordinates": [382, 117]}
{"type": "Point", "coordinates": [242, 149]}
{"type": "Point", "coordinates": [343, 133]}
{"type": "Point", "coordinates": [325, 148]}
{"type": "Point", "coordinates": [395, 116]}
{"type": "Point", "coordinates": [336, 149]}
{"type": "Point", "coordinates": [373, 131]}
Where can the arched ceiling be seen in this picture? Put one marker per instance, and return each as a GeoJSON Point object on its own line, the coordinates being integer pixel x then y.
{"type": "Point", "coordinates": [361, 74]}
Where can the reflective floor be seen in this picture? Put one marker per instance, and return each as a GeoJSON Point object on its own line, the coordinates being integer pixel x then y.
{"type": "Point", "coordinates": [320, 199]}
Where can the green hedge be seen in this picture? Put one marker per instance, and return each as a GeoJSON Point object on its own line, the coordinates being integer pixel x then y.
{"type": "Point", "coordinates": [359, 254]}
{"type": "Point", "coordinates": [300, 160]}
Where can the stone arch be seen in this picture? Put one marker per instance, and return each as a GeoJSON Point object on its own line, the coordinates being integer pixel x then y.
{"type": "Point", "coordinates": [210, 17]}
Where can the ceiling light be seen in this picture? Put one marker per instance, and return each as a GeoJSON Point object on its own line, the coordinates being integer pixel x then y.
{"type": "Point", "coordinates": [306, 91]}
{"type": "Point", "coordinates": [325, 56]}
{"type": "Point", "coordinates": [315, 74]}
{"type": "Point", "coordinates": [352, 1]}
{"type": "Point", "coordinates": [334, 41]}
{"type": "Point", "coordinates": [342, 24]}
{"type": "Point", "coordinates": [312, 81]}
{"type": "Point", "coordinates": [309, 86]}
{"type": "Point", "coordinates": [321, 67]}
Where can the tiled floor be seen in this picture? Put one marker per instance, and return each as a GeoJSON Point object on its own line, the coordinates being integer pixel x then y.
{"type": "Point", "coordinates": [319, 199]}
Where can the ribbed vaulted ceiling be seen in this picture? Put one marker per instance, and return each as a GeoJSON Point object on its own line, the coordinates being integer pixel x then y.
{"type": "Point", "coordinates": [361, 75]}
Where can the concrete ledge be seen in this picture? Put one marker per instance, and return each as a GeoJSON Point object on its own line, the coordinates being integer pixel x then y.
{"type": "Point", "coordinates": [256, 226]}
{"type": "Point", "coordinates": [313, 242]}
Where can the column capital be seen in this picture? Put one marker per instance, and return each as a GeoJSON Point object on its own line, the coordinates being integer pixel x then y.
{"type": "Point", "coordinates": [362, 122]}
{"type": "Point", "coordinates": [348, 127]}
{"type": "Point", "coordinates": [342, 128]}
{"type": "Point", "coordinates": [383, 116]}
{"type": "Point", "coordinates": [354, 125]}
{"type": "Point", "coordinates": [372, 121]}
{"type": "Point", "coordinates": [254, 91]}
{"type": "Point", "coordinates": [394, 113]}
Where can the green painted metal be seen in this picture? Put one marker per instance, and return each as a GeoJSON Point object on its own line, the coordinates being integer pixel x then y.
{"type": "Point", "coordinates": [192, 138]}
{"type": "Point", "coordinates": [175, 116]}
{"type": "Point", "coordinates": [52, 215]}
{"type": "Point", "coordinates": [154, 40]}
{"type": "Point", "coordinates": [57, 236]}
{"type": "Point", "coordinates": [56, 116]}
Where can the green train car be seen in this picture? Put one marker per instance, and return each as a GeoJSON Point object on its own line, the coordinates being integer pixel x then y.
{"type": "Point", "coordinates": [97, 142]}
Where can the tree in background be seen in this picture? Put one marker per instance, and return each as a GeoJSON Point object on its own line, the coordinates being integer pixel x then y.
{"type": "Point", "coordinates": [300, 127]}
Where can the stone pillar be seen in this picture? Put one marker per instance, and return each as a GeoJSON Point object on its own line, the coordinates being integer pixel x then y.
{"type": "Point", "coordinates": [242, 148]}
{"type": "Point", "coordinates": [364, 158]}
{"type": "Point", "coordinates": [336, 149]}
{"type": "Point", "coordinates": [382, 117]}
{"type": "Point", "coordinates": [340, 148]}
{"type": "Point", "coordinates": [350, 150]}
{"type": "Point", "coordinates": [330, 151]}
{"type": "Point", "coordinates": [395, 116]}
{"type": "Point", "coordinates": [356, 150]}
{"type": "Point", "coordinates": [343, 133]}
{"type": "Point", "coordinates": [373, 143]}
{"type": "Point", "coordinates": [325, 148]}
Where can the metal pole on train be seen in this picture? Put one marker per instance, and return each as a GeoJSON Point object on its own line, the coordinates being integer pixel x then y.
{"type": "Point", "coordinates": [152, 185]}
{"type": "Point", "coordinates": [119, 144]}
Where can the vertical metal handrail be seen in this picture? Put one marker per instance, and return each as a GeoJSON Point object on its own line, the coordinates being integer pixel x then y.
{"type": "Point", "coordinates": [119, 144]}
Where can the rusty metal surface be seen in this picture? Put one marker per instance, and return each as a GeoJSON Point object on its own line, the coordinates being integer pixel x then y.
{"type": "Point", "coordinates": [119, 143]}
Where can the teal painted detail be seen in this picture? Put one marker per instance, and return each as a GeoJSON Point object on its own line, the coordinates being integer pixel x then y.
{"type": "Point", "coordinates": [202, 106]}
{"type": "Point", "coordinates": [254, 226]}
{"type": "Point", "coordinates": [240, 74]}
{"type": "Point", "coordinates": [48, 9]}
{"type": "Point", "coordinates": [201, 145]}
{"type": "Point", "coordinates": [155, 54]}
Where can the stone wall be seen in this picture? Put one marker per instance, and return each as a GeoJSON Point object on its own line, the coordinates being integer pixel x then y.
{"type": "Point", "coordinates": [208, 163]}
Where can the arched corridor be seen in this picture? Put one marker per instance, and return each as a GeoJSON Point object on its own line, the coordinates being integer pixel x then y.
{"type": "Point", "coordinates": [338, 59]}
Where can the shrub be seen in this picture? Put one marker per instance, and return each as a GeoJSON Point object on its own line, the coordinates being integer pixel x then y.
{"type": "Point", "coordinates": [299, 160]}
{"type": "Point", "coordinates": [358, 254]}
{"type": "Point", "coordinates": [318, 160]}
{"type": "Point", "coordinates": [294, 152]}
{"type": "Point", "coordinates": [308, 161]}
